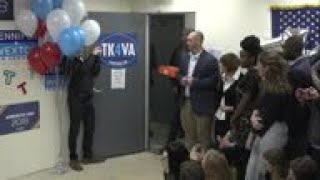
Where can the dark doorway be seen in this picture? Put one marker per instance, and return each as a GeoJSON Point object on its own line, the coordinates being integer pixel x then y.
{"type": "Point", "coordinates": [165, 35]}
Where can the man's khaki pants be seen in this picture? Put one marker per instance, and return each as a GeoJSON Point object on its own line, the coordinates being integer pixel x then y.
{"type": "Point", "coordinates": [198, 128]}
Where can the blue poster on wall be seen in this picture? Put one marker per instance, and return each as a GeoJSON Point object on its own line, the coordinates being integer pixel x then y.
{"type": "Point", "coordinates": [14, 45]}
{"type": "Point", "coordinates": [19, 117]}
{"type": "Point", "coordinates": [119, 50]}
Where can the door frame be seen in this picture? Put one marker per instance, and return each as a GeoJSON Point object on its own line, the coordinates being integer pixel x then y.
{"type": "Point", "coordinates": [147, 83]}
{"type": "Point", "coordinates": [189, 23]}
{"type": "Point", "coordinates": [189, 20]}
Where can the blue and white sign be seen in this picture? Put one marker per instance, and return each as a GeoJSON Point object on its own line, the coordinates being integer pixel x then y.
{"type": "Point", "coordinates": [14, 45]}
{"type": "Point", "coordinates": [119, 50]}
{"type": "Point", "coordinates": [19, 117]}
{"type": "Point", "coordinates": [6, 9]}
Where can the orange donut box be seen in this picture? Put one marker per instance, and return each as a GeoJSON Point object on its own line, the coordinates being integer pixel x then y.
{"type": "Point", "coordinates": [170, 71]}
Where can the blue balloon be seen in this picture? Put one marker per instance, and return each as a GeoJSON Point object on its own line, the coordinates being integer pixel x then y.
{"type": "Point", "coordinates": [82, 35]}
{"type": "Point", "coordinates": [70, 41]}
{"type": "Point", "coordinates": [57, 4]}
{"type": "Point", "coordinates": [42, 8]}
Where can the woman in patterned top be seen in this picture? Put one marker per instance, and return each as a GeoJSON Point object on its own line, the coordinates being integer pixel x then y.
{"type": "Point", "coordinates": [247, 90]}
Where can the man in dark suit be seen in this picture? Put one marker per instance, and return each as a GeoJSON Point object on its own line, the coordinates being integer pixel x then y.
{"type": "Point", "coordinates": [199, 76]}
{"type": "Point", "coordinates": [82, 71]}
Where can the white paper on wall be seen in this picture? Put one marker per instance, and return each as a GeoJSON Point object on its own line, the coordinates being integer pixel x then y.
{"type": "Point", "coordinates": [118, 78]}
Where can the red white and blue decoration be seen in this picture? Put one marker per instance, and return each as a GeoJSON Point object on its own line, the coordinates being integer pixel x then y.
{"type": "Point", "coordinates": [60, 28]}
{"type": "Point", "coordinates": [303, 17]}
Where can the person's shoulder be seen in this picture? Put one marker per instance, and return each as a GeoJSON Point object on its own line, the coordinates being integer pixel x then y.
{"type": "Point", "coordinates": [252, 75]}
{"type": "Point", "coordinates": [293, 71]}
{"type": "Point", "coordinates": [207, 55]}
{"type": "Point", "coordinates": [209, 58]}
{"type": "Point", "coordinates": [300, 69]}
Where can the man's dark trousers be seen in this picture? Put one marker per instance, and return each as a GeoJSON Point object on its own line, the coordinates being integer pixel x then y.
{"type": "Point", "coordinates": [81, 109]}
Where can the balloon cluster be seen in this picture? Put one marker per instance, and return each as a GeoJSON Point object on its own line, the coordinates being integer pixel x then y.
{"type": "Point", "coordinates": [61, 21]}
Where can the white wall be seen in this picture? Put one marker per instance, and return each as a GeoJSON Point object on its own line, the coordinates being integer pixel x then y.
{"type": "Point", "coordinates": [224, 23]}
{"type": "Point", "coordinates": [29, 151]}
{"type": "Point", "coordinates": [108, 5]}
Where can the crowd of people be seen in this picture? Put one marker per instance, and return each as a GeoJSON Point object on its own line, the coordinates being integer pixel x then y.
{"type": "Point", "coordinates": [255, 116]}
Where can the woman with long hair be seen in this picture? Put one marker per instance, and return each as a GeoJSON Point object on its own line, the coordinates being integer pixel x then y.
{"type": "Point", "coordinates": [271, 112]}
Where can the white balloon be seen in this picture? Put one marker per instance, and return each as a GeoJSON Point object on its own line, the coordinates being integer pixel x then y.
{"type": "Point", "coordinates": [76, 10]}
{"type": "Point", "coordinates": [92, 31]}
{"type": "Point", "coordinates": [57, 21]}
{"type": "Point", "coordinates": [27, 22]}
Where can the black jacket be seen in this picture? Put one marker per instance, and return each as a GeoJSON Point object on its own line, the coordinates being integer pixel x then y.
{"type": "Point", "coordinates": [82, 75]}
{"type": "Point", "coordinates": [230, 95]}
{"type": "Point", "coordinates": [274, 107]}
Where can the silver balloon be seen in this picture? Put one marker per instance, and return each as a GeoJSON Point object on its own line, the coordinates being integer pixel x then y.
{"type": "Point", "coordinates": [57, 21]}
{"type": "Point", "coordinates": [27, 22]}
{"type": "Point", "coordinates": [92, 31]}
{"type": "Point", "coordinates": [76, 10]}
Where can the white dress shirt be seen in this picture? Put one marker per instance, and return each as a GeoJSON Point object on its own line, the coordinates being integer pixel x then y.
{"type": "Point", "coordinates": [192, 64]}
{"type": "Point", "coordinates": [220, 114]}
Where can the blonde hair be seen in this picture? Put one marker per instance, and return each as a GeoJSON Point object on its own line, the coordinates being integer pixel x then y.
{"type": "Point", "coordinates": [216, 166]}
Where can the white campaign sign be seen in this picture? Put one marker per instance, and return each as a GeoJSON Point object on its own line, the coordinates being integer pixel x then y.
{"type": "Point", "coordinates": [118, 78]}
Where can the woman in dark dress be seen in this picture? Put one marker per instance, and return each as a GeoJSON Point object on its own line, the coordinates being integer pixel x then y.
{"type": "Point", "coordinates": [233, 145]}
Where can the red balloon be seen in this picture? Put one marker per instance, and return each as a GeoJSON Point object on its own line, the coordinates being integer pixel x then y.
{"type": "Point", "coordinates": [50, 54]}
{"type": "Point", "coordinates": [35, 61]}
{"type": "Point", "coordinates": [41, 29]}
